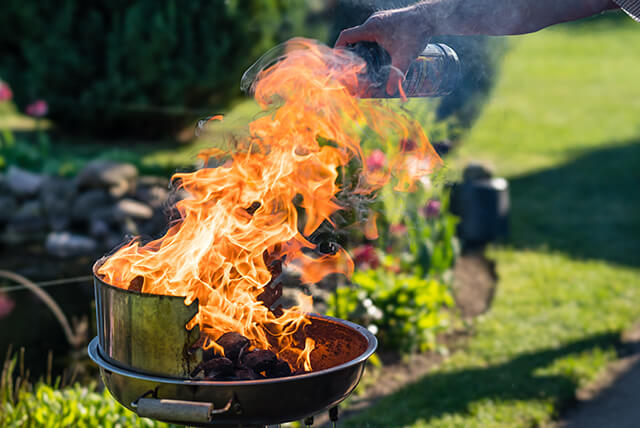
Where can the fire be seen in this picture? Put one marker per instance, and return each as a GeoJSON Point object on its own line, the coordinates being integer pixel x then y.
{"type": "Point", "coordinates": [275, 188]}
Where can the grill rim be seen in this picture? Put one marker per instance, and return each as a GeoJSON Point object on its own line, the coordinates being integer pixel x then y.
{"type": "Point", "coordinates": [97, 356]}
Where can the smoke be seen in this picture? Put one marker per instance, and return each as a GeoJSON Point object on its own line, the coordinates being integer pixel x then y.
{"type": "Point", "coordinates": [480, 58]}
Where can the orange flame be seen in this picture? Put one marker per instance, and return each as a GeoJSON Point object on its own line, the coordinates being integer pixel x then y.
{"type": "Point", "coordinates": [242, 215]}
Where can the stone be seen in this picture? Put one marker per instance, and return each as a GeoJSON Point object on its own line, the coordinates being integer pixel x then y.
{"type": "Point", "coordinates": [129, 227]}
{"type": "Point", "coordinates": [98, 228]}
{"type": "Point", "coordinates": [130, 208]}
{"type": "Point", "coordinates": [57, 196]}
{"type": "Point", "coordinates": [94, 203]}
{"type": "Point", "coordinates": [8, 207]}
{"type": "Point", "coordinates": [152, 180]}
{"type": "Point", "coordinates": [114, 241]}
{"type": "Point", "coordinates": [28, 211]}
{"type": "Point", "coordinates": [23, 183]}
{"type": "Point", "coordinates": [66, 244]}
{"type": "Point", "coordinates": [108, 175]}
{"type": "Point", "coordinates": [121, 189]}
{"type": "Point", "coordinates": [155, 226]}
{"type": "Point", "coordinates": [28, 224]}
{"type": "Point", "coordinates": [154, 196]}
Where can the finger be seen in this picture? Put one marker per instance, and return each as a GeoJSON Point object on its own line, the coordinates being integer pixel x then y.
{"type": "Point", "coordinates": [354, 35]}
{"type": "Point", "coordinates": [397, 73]}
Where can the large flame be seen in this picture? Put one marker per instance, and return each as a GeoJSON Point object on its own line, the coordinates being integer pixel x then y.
{"type": "Point", "coordinates": [246, 215]}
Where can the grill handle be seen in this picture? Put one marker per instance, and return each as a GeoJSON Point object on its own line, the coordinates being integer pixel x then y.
{"type": "Point", "coordinates": [177, 410]}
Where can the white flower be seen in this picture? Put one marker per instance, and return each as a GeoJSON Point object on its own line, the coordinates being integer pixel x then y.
{"type": "Point", "coordinates": [374, 312]}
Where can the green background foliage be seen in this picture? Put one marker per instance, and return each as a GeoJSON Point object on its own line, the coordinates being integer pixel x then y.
{"type": "Point", "coordinates": [143, 66]}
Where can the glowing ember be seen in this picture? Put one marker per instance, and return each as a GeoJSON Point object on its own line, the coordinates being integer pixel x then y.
{"type": "Point", "coordinates": [248, 212]}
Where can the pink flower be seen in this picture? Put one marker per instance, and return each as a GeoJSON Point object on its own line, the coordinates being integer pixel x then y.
{"type": "Point", "coordinates": [6, 305]}
{"type": "Point", "coordinates": [431, 209]}
{"type": "Point", "coordinates": [398, 229]}
{"type": "Point", "coordinates": [5, 92]}
{"type": "Point", "coordinates": [376, 160]}
{"type": "Point", "coordinates": [38, 108]}
{"type": "Point", "coordinates": [365, 256]}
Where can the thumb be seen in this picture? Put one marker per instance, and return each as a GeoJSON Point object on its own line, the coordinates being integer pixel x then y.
{"type": "Point", "coordinates": [399, 67]}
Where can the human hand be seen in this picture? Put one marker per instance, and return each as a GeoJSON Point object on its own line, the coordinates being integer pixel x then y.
{"type": "Point", "coordinates": [401, 32]}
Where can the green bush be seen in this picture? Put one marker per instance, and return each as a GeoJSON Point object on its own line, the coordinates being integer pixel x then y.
{"type": "Point", "coordinates": [405, 311]}
{"type": "Point", "coordinates": [141, 66]}
{"type": "Point", "coordinates": [46, 405]}
{"type": "Point", "coordinates": [75, 406]}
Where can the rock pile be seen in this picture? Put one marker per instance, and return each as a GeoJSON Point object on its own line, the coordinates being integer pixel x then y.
{"type": "Point", "coordinates": [89, 214]}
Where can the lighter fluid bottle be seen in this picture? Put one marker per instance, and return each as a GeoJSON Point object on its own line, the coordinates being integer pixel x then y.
{"type": "Point", "coordinates": [434, 73]}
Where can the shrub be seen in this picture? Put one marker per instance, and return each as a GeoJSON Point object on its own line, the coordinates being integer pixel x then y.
{"type": "Point", "coordinates": [77, 406]}
{"type": "Point", "coordinates": [405, 311]}
{"type": "Point", "coordinates": [46, 405]}
{"type": "Point", "coordinates": [136, 66]}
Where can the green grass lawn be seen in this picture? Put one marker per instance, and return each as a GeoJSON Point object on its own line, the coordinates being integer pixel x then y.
{"type": "Point", "coordinates": [564, 127]}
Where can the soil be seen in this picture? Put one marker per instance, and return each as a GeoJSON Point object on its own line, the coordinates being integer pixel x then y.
{"type": "Point", "coordinates": [474, 283]}
{"type": "Point", "coordinates": [474, 286]}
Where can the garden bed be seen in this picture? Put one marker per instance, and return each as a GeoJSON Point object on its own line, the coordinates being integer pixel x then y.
{"type": "Point", "coordinates": [475, 280]}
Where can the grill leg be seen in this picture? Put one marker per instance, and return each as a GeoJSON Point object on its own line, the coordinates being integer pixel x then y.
{"type": "Point", "coordinates": [333, 416]}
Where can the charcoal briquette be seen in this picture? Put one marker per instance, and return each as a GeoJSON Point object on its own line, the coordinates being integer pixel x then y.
{"type": "Point", "coordinates": [279, 369]}
{"type": "Point", "coordinates": [216, 366]}
{"type": "Point", "coordinates": [220, 365]}
{"type": "Point", "coordinates": [245, 374]}
{"type": "Point", "coordinates": [259, 360]}
{"type": "Point", "coordinates": [233, 344]}
{"type": "Point", "coordinates": [136, 284]}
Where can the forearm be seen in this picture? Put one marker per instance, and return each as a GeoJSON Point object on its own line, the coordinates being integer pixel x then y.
{"type": "Point", "coordinates": [501, 17]}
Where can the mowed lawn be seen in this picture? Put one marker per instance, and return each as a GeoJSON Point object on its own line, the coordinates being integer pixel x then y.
{"type": "Point", "coordinates": [563, 125]}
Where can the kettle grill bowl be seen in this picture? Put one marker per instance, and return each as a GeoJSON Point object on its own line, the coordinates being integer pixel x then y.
{"type": "Point", "coordinates": [259, 402]}
{"type": "Point", "coordinates": [143, 349]}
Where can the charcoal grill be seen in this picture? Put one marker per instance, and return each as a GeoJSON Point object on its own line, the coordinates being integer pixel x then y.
{"type": "Point", "coordinates": [145, 355]}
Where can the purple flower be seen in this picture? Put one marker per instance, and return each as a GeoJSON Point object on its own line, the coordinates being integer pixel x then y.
{"type": "Point", "coordinates": [376, 160]}
{"type": "Point", "coordinates": [5, 92]}
{"type": "Point", "coordinates": [38, 108]}
{"type": "Point", "coordinates": [407, 145]}
{"type": "Point", "coordinates": [365, 256]}
{"type": "Point", "coordinates": [6, 305]}
{"type": "Point", "coordinates": [431, 209]}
